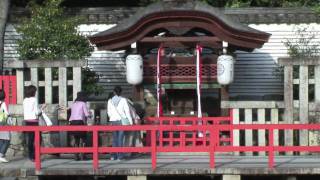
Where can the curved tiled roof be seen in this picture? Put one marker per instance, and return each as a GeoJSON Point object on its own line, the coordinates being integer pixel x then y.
{"type": "Point", "coordinates": [196, 8]}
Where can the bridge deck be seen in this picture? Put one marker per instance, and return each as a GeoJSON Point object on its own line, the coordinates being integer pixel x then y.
{"type": "Point", "coordinates": [167, 164]}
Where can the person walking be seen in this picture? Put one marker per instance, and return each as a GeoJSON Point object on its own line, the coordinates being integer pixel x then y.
{"type": "Point", "coordinates": [4, 135]}
{"type": "Point", "coordinates": [133, 138]}
{"type": "Point", "coordinates": [31, 113]}
{"type": "Point", "coordinates": [79, 115]}
{"type": "Point", "coordinates": [119, 114]}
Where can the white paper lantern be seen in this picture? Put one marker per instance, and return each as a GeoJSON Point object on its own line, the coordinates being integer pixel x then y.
{"type": "Point", "coordinates": [134, 63]}
{"type": "Point", "coordinates": [225, 68]}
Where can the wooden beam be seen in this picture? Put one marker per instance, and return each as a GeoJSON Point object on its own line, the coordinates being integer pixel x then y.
{"type": "Point", "coordinates": [181, 39]}
{"type": "Point", "coordinates": [214, 45]}
{"type": "Point", "coordinates": [301, 61]}
{"type": "Point", "coordinates": [44, 64]}
{"type": "Point", "coordinates": [183, 42]}
{"type": "Point", "coordinates": [185, 86]}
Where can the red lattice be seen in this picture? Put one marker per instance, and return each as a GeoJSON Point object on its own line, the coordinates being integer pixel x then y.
{"type": "Point", "coordinates": [209, 70]}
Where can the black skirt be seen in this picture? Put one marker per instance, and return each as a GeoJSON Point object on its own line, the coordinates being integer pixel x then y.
{"type": "Point", "coordinates": [78, 134]}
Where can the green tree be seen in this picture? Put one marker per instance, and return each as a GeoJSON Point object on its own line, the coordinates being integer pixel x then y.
{"type": "Point", "coordinates": [49, 34]}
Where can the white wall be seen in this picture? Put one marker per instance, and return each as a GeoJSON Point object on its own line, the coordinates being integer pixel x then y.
{"type": "Point", "coordinates": [253, 75]}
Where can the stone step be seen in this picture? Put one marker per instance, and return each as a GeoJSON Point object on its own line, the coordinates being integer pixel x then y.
{"type": "Point", "coordinates": [8, 178]}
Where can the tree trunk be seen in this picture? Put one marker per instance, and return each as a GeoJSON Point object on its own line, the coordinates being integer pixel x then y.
{"type": "Point", "coordinates": [4, 11]}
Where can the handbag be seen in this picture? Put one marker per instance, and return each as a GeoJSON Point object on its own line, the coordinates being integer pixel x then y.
{"type": "Point", "coordinates": [124, 121]}
{"type": "Point", "coordinates": [46, 119]}
{"type": "Point", "coordinates": [3, 116]}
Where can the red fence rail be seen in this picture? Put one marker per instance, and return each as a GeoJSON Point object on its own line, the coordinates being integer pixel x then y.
{"type": "Point", "coordinates": [190, 138]}
{"type": "Point", "coordinates": [212, 148]}
{"type": "Point", "coordinates": [9, 85]}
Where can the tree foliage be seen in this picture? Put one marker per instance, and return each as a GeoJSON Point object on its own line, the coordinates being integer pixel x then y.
{"type": "Point", "coordinates": [303, 45]}
{"type": "Point", "coordinates": [49, 34]}
{"type": "Point", "coordinates": [90, 80]}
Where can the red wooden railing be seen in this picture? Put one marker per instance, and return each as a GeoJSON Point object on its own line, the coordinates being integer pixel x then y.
{"type": "Point", "coordinates": [153, 148]}
{"type": "Point", "coordinates": [9, 85]}
{"type": "Point", "coordinates": [171, 138]}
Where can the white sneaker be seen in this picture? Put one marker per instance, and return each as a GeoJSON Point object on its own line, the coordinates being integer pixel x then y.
{"type": "Point", "coordinates": [2, 159]}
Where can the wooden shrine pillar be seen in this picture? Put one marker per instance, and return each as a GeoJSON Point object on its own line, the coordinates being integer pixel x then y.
{"type": "Point", "coordinates": [224, 96]}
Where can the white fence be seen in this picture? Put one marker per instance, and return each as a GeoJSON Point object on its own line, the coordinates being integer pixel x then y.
{"type": "Point", "coordinates": [61, 67]}
{"type": "Point", "coordinates": [300, 106]}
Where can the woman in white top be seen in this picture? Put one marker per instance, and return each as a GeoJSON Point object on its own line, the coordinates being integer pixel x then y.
{"type": "Point", "coordinates": [4, 135]}
{"type": "Point", "coordinates": [31, 113]}
{"type": "Point", "coordinates": [118, 110]}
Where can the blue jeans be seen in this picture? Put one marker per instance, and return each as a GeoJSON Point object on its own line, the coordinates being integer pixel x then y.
{"type": "Point", "coordinates": [117, 140]}
{"type": "Point", "coordinates": [4, 145]}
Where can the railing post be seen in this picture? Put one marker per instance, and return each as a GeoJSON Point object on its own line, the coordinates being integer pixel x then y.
{"type": "Point", "coordinates": [213, 138]}
{"type": "Point", "coordinates": [95, 155]}
{"type": "Point", "coordinates": [231, 125]}
{"type": "Point", "coordinates": [271, 148]}
{"type": "Point", "coordinates": [153, 149]}
{"type": "Point", "coordinates": [37, 150]}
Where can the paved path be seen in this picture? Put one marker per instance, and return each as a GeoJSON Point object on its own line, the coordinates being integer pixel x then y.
{"type": "Point", "coordinates": [167, 164]}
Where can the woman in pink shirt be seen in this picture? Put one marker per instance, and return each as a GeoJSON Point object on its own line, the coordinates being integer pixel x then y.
{"type": "Point", "coordinates": [79, 115]}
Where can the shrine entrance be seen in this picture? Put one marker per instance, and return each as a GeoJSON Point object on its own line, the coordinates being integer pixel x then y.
{"type": "Point", "coordinates": [179, 44]}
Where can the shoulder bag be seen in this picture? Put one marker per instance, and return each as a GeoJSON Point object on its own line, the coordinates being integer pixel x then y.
{"type": "Point", "coordinates": [124, 120]}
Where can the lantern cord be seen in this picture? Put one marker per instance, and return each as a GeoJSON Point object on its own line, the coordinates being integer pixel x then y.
{"type": "Point", "coordinates": [199, 74]}
{"type": "Point", "coordinates": [159, 103]}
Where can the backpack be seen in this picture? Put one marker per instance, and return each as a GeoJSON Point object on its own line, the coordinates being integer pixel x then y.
{"type": "Point", "coordinates": [3, 116]}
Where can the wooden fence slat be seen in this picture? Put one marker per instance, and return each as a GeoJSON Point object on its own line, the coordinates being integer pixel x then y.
{"type": "Point", "coordinates": [248, 133]}
{"type": "Point", "coordinates": [304, 103]}
{"type": "Point", "coordinates": [62, 91]}
{"type": "Point", "coordinates": [315, 134]}
{"type": "Point", "coordinates": [275, 120]}
{"type": "Point", "coordinates": [317, 84]}
{"type": "Point", "coordinates": [62, 115]}
{"type": "Point", "coordinates": [48, 85]}
{"type": "Point", "coordinates": [236, 133]}
{"type": "Point", "coordinates": [35, 80]}
{"type": "Point", "coordinates": [20, 86]}
{"type": "Point", "coordinates": [288, 101]}
{"type": "Point", "coordinates": [76, 81]}
{"type": "Point", "coordinates": [262, 133]}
